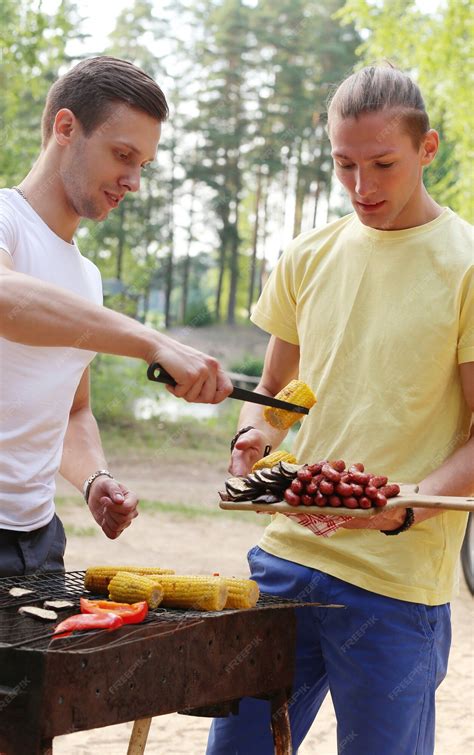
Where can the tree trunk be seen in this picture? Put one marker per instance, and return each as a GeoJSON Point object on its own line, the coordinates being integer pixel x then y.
{"type": "Point", "coordinates": [146, 303]}
{"type": "Point", "coordinates": [234, 271]}
{"type": "Point", "coordinates": [299, 193]}
{"type": "Point", "coordinates": [220, 279]}
{"type": "Point", "coordinates": [261, 277]}
{"type": "Point", "coordinates": [317, 194]}
{"type": "Point", "coordinates": [187, 259]}
{"type": "Point", "coordinates": [120, 241]}
{"type": "Point", "coordinates": [253, 262]}
{"type": "Point", "coordinates": [329, 187]}
{"type": "Point", "coordinates": [170, 264]}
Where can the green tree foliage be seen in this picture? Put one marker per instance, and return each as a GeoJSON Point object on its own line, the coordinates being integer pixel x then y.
{"type": "Point", "coordinates": [32, 50]}
{"type": "Point", "coordinates": [246, 82]}
{"type": "Point", "coordinates": [437, 49]}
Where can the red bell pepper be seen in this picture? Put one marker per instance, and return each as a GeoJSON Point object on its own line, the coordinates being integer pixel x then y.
{"type": "Point", "coordinates": [81, 621]}
{"type": "Point", "coordinates": [130, 613]}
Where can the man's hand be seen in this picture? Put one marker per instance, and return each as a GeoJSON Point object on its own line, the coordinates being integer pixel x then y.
{"type": "Point", "coordinates": [199, 377]}
{"type": "Point", "coordinates": [248, 449]}
{"type": "Point", "coordinates": [112, 506]}
{"type": "Point", "coordinates": [383, 520]}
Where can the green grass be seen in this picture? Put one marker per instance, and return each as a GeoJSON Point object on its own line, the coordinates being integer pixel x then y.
{"type": "Point", "coordinates": [203, 440]}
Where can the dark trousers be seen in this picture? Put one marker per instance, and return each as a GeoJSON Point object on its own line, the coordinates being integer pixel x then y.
{"type": "Point", "coordinates": [41, 550]}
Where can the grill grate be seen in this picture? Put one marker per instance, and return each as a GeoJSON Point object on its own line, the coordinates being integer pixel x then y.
{"type": "Point", "coordinates": [18, 630]}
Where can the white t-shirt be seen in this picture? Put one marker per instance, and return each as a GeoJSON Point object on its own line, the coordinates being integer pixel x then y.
{"type": "Point", "coordinates": [37, 384]}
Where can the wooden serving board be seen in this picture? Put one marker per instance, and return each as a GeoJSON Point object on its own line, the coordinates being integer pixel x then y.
{"type": "Point", "coordinates": [406, 498]}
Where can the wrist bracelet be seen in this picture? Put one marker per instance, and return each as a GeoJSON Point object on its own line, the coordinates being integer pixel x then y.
{"type": "Point", "coordinates": [87, 485]}
{"type": "Point", "coordinates": [238, 434]}
{"type": "Point", "coordinates": [406, 524]}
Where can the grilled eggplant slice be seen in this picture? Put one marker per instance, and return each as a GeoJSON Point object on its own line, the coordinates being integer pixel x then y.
{"type": "Point", "coordinates": [18, 592]}
{"type": "Point", "coordinates": [58, 605]}
{"type": "Point", "coordinates": [38, 613]}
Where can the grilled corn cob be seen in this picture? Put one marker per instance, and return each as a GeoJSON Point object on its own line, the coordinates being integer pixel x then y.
{"type": "Point", "coordinates": [126, 587]}
{"type": "Point", "coordinates": [272, 459]}
{"type": "Point", "coordinates": [198, 592]}
{"type": "Point", "coordinates": [98, 577]}
{"type": "Point", "coordinates": [243, 593]}
{"type": "Point", "coordinates": [296, 392]}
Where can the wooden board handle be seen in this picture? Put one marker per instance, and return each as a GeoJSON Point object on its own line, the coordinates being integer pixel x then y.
{"type": "Point", "coordinates": [414, 500]}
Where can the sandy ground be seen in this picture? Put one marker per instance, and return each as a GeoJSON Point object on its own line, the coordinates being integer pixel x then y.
{"type": "Point", "coordinates": [219, 543]}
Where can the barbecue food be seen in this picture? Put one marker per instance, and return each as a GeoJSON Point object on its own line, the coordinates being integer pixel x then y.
{"type": "Point", "coordinates": [261, 486]}
{"type": "Point", "coordinates": [58, 605]}
{"type": "Point", "coordinates": [242, 593]}
{"type": "Point", "coordinates": [272, 459]}
{"type": "Point", "coordinates": [38, 613]}
{"type": "Point", "coordinates": [200, 593]}
{"type": "Point", "coordinates": [320, 484]}
{"type": "Point", "coordinates": [18, 592]}
{"type": "Point", "coordinates": [130, 613]}
{"type": "Point", "coordinates": [296, 392]}
{"type": "Point", "coordinates": [329, 483]}
{"type": "Point", "coordinates": [98, 577]}
{"type": "Point", "coordinates": [132, 588]}
{"type": "Point", "coordinates": [84, 621]}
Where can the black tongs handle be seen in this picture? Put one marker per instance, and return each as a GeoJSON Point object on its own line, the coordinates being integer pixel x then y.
{"type": "Point", "coordinates": [159, 375]}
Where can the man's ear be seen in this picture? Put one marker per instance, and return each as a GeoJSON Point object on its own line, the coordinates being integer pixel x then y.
{"type": "Point", "coordinates": [429, 147]}
{"type": "Point", "coordinates": [65, 126]}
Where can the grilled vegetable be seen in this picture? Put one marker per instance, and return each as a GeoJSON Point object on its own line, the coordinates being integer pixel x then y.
{"type": "Point", "coordinates": [242, 593]}
{"type": "Point", "coordinates": [58, 605]}
{"type": "Point", "coordinates": [295, 392]}
{"type": "Point", "coordinates": [98, 577]}
{"type": "Point", "coordinates": [200, 593]}
{"type": "Point", "coordinates": [82, 621]}
{"type": "Point", "coordinates": [272, 459]}
{"type": "Point", "coordinates": [38, 613]}
{"type": "Point", "coordinates": [127, 587]}
{"type": "Point", "coordinates": [130, 613]}
{"type": "Point", "coordinates": [18, 592]}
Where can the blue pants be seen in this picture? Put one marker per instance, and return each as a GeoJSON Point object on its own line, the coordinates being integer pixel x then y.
{"type": "Point", "coordinates": [381, 658]}
{"type": "Point", "coordinates": [41, 550]}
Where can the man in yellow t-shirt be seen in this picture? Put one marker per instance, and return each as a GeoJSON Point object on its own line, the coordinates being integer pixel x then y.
{"type": "Point", "coordinates": [376, 313]}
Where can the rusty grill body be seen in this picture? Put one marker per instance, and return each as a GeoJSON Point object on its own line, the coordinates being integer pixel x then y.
{"type": "Point", "coordinates": [175, 661]}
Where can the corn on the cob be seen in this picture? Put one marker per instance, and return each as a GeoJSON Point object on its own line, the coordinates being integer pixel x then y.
{"type": "Point", "coordinates": [296, 392]}
{"type": "Point", "coordinates": [126, 587]}
{"type": "Point", "coordinates": [272, 459]}
{"type": "Point", "coordinates": [243, 593]}
{"type": "Point", "coordinates": [201, 593]}
{"type": "Point", "coordinates": [98, 577]}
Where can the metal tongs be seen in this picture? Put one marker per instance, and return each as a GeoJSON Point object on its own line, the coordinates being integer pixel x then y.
{"type": "Point", "coordinates": [159, 375]}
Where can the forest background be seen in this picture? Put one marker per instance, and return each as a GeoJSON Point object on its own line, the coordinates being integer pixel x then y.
{"type": "Point", "coordinates": [244, 162]}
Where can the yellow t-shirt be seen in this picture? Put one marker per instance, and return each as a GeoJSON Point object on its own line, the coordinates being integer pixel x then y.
{"type": "Point", "coordinates": [382, 318]}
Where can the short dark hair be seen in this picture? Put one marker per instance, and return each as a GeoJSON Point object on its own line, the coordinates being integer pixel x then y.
{"type": "Point", "coordinates": [381, 87]}
{"type": "Point", "coordinates": [93, 86]}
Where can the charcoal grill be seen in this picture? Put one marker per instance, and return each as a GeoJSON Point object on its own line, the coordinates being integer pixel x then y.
{"type": "Point", "coordinates": [176, 661]}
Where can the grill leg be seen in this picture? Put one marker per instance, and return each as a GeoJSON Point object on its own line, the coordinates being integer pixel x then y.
{"type": "Point", "coordinates": [281, 724]}
{"type": "Point", "coordinates": [139, 736]}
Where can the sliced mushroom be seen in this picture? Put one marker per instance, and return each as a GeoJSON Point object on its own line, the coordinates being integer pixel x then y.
{"type": "Point", "coordinates": [18, 592]}
{"type": "Point", "coordinates": [38, 613]}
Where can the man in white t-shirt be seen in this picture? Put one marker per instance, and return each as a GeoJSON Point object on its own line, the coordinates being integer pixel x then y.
{"type": "Point", "coordinates": [100, 126]}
